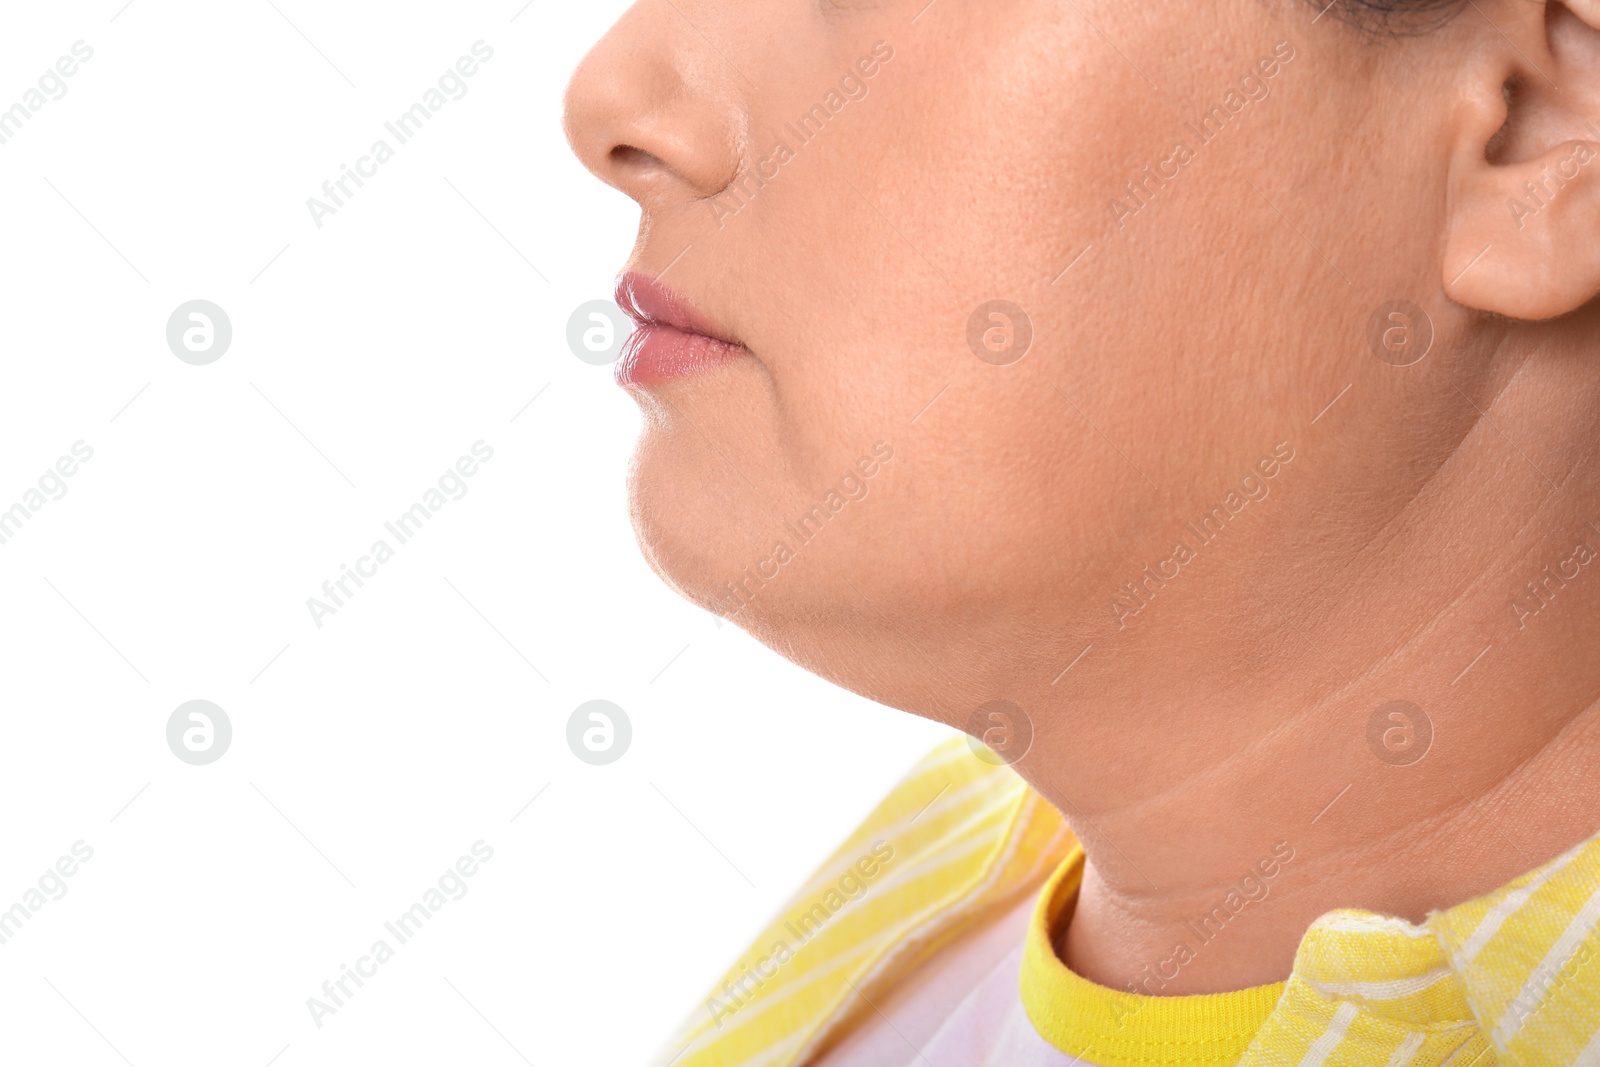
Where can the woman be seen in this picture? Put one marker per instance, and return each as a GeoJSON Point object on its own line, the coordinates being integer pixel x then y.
{"type": "Point", "coordinates": [1196, 403]}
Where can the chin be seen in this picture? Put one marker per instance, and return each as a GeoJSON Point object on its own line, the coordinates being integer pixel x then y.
{"type": "Point", "coordinates": [762, 556]}
{"type": "Point", "coordinates": [688, 516]}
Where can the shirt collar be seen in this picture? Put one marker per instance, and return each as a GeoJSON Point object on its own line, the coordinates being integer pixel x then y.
{"type": "Point", "coordinates": [1500, 973]}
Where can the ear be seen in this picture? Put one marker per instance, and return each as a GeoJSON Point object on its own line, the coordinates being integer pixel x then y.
{"type": "Point", "coordinates": [1524, 211]}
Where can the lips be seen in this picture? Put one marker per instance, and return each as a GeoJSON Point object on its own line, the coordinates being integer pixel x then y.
{"type": "Point", "coordinates": [673, 339]}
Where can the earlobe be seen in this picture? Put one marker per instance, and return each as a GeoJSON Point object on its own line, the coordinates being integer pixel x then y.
{"type": "Point", "coordinates": [1525, 238]}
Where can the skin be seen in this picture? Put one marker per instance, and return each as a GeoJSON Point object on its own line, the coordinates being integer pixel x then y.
{"type": "Point", "coordinates": [1198, 338]}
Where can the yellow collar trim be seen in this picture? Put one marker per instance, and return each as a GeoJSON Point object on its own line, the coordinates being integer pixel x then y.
{"type": "Point", "coordinates": [1111, 1028]}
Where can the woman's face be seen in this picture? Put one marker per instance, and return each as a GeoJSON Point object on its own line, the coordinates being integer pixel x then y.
{"type": "Point", "coordinates": [1015, 289]}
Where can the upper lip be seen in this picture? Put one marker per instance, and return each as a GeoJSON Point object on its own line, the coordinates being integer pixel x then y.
{"type": "Point", "coordinates": [650, 303]}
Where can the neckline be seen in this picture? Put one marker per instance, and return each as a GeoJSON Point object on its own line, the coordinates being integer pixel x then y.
{"type": "Point", "coordinates": [1112, 1028]}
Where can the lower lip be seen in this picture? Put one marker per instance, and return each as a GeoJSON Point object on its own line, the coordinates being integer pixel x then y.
{"type": "Point", "coordinates": [656, 353]}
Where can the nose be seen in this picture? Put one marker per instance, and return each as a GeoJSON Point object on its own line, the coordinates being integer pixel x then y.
{"type": "Point", "coordinates": [654, 109]}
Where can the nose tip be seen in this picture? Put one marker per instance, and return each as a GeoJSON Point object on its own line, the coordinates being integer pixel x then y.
{"type": "Point", "coordinates": [647, 112]}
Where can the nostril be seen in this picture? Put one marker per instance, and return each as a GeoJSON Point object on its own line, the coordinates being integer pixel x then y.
{"type": "Point", "coordinates": [625, 155]}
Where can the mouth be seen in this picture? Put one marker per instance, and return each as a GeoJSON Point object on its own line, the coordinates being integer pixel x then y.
{"type": "Point", "coordinates": [672, 340]}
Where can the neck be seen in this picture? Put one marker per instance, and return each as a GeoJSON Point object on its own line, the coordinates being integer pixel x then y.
{"type": "Point", "coordinates": [1281, 848]}
{"type": "Point", "coordinates": [1409, 729]}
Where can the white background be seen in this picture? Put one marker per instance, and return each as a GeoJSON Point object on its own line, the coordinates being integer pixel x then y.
{"type": "Point", "coordinates": [369, 754]}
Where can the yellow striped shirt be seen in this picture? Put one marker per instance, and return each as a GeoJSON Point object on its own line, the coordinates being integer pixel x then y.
{"type": "Point", "coordinates": [1503, 979]}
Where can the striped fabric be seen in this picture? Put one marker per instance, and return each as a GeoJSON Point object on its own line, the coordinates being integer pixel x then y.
{"type": "Point", "coordinates": [964, 836]}
{"type": "Point", "coordinates": [1508, 979]}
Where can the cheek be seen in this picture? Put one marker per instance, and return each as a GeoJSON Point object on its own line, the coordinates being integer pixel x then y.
{"type": "Point", "coordinates": [950, 186]}
{"type": "Point", "coordinates": [867, 266]}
